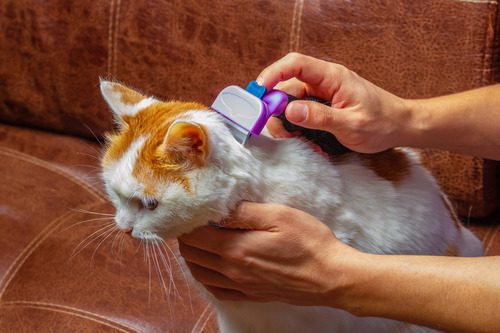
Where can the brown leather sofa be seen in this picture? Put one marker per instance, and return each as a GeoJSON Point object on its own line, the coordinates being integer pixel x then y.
{"type": "Point", "coordinates": [56, 274]}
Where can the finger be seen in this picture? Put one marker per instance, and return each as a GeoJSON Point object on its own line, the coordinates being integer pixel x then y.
{"type": "Point", "coordinates": [210, 278]}
{"type": "Point", "coordinates": [200, 257]}
{"type": "Point", "coordinates": [307, 69]}
{"type": "Point", "coordinates": [228, 294]}
{"type": "Point", "coordinates": [210, 238]}
{"type": "Point", "coordinates": [292, 87]}
{"type": "Point", "coordinates": [277, 130]}
{"type": "Point", "coordinates": [315, 115]}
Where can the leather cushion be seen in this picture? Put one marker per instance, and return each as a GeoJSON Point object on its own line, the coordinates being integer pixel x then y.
{"type": "Point", "coordinates": [53, 275]}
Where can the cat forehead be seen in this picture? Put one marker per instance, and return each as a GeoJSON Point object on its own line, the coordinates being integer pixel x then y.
{"type": "Point", "coordinates": [130, 176]}
{"type": "Point", "coordinates": [119, 174]}
{"type": "Point", "coordinates": [151, 122]}
{"type": "Point", "coordinates": [131, 152]}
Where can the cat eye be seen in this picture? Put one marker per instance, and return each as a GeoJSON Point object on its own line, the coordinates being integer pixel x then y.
{"type": "Point", "coordinates": [150, 203]}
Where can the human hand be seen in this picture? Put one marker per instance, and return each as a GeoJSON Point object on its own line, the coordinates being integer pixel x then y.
{"type": "Point", "coordinates": [268, 252]}
{"type": "Point", "coordinates": [363, 116]}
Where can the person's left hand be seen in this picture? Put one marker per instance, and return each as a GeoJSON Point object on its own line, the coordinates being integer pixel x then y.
{"type": "Point", "coordinates": [268, 252]}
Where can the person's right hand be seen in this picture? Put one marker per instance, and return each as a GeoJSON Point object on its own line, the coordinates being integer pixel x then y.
{"type": "Point", "coordinates": [363, 117]}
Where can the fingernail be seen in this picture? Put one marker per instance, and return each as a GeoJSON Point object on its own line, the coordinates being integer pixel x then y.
{"type": "Point", "coordinates": [296, 112]}
{"type": "Point", "coordinates": [260, 80]}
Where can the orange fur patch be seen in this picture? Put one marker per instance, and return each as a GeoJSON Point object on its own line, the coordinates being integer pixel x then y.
{"type": "Point", "coordinates": [151, 121]}
{"type": "Point", "coordinates": [391, 165]}
{"type": "Point", "coordinates": [154, 163]}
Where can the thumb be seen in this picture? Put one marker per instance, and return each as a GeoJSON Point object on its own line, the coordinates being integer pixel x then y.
{"type": "Point", "coordinates": [313, 115]}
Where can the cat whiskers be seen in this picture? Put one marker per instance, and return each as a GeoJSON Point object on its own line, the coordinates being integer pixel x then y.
{"type": "Point", "coordinates": [97, 158]}
{"type": "Point", "coordinates": [80, 210]}
{"type": "Point", "coordinates": [181, 268]}
{"type": "Point", "coordinates": [148, 260]}
{"type": "Point", "coordinates": [88, 221]}
{"type": "Point", "coordinates": [95, 136]}
{"type": "Point", "coordinates": [157, 257]}
{"type": "Point", "coordinates": [99, 233]}
{"type": "Point", "coordinates": [105, 236]}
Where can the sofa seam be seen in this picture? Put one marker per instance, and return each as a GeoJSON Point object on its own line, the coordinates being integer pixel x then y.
{"type": "Point", "coordinates": [487, 59]}
{"type": "Point", "coordinates": [71, 311]}
{"type": "Point", "coordinates": [31, 247]}
{"type": "Point", "coordinates": [28, 250]}
{"type": "Point", "coordinates": [49, 167]}
{"type": "Point", "coordinates": [110, 36]}
{"type": "Point", "coordinates": [296, 25]}
{"type": "Point", "coordinates": [115, 36]}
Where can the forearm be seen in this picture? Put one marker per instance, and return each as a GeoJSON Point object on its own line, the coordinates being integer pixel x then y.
{"type": "Point", "coordinates": [466, 123]}
{"type": "Point", "coordinates": [446, 293]}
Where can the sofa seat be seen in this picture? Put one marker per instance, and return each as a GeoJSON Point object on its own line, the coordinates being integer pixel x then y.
{"type": "Point", "coordinates": [56, 275]}
{"type": "Point", "coordinates": [53, 278]}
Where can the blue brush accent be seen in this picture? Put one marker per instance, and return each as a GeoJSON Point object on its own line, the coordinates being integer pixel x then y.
{"type": "Point", "coordinates": [255, 89]}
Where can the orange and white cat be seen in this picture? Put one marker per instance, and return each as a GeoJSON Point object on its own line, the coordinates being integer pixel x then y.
{"type": "Point", "coordinates": [174, 166]}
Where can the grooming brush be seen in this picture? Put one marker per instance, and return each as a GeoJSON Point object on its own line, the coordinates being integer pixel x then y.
{"type": "Point", "coordinates": [246, 112]}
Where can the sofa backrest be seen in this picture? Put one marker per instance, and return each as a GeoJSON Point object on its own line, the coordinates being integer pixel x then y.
{"type": "Point", "coordinates": [52, 53]}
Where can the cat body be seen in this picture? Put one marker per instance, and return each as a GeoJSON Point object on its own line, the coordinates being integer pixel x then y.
{"type": "Point", "coordinates": [184, 158]}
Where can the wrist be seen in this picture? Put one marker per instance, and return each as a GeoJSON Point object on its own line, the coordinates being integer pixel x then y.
{"type": "Point", "coordinates": [346, 271]}
{"type": "Point", "coordinates": [356, 291]}
{"type": "Point", "coordinates": [416, 125]}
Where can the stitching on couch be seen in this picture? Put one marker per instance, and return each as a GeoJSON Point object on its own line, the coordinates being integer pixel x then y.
{"type": "Point", "coordinates": [489, 47]}
{"type": "Point", "coordinates": [110, 36]}
{"type": "Point", "coordinates": [299, 25]}
{"type": "Point", "coordinates": [72, 311]}
{"type": "Point", "coordinates": [479, 1]}
{"type": "Point", "coordinates": [296, 25]}
{"type": "Point", "coordinates": [33, 245]}
{"type": "Point", "coordinates": [28, 250]}
{"type": "Point", "coordinates": [115, 36]}
{"type": "Point", "coordinates": [50, 167]}
{"type": "Point", "coordinates": [199, 325]}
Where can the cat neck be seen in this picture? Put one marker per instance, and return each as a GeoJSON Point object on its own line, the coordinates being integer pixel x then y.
{"type": "Point", "coordinates": [263, 165]}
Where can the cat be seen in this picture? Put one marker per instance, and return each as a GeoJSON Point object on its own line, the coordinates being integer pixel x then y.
{"type": "Point", "coordinates": [173, 166]}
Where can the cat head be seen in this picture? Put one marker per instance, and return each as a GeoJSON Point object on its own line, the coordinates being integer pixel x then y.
{"type": "Point", "coordinates": [170, 166]}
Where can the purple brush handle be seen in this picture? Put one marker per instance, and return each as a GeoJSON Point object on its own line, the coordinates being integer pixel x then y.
{"type": "Point", "coordinates": [275, 103]}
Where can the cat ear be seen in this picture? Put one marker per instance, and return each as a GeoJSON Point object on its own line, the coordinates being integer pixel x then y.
{"type": "Point", "coordinates": [123, 101]}
{"type": "Point", "coordinates": [186, 141]}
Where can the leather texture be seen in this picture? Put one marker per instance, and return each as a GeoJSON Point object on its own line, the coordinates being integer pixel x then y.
{"type": "Point", "coordinates": [51, 111]}
{"type": "Point", "coordinates": [52, 55]}
{"type": "Point", "coordinates": [53, 277]}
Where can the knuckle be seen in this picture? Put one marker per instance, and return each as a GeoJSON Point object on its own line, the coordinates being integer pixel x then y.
{"type": "Point", "coordinates": [281, 212]}
{"type": "Point", "coordinates": [295, 59]}
{"type": "Point", "coordinates": [236, 256]}
{"type": "Point", "coordinates": [323, 118]}
{"type": "Point", "coordinates": [294, 56]}
{"type": "Point", "coordinates": [340, 70]}
{"type": "Point", "coordinates": [359, 123]}
{"type": "Point", "coordinates": [237, 276]}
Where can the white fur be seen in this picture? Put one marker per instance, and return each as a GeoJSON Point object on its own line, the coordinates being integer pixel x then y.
{"type": "Point", "coordinates": [364, 211]}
